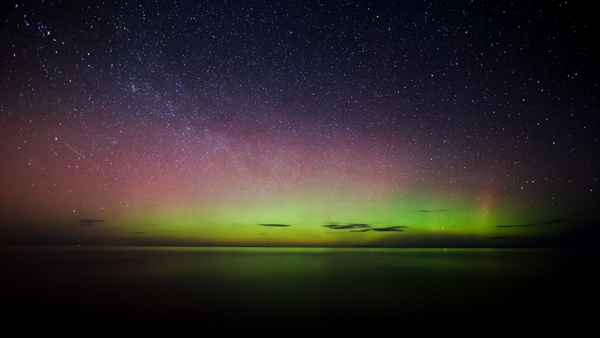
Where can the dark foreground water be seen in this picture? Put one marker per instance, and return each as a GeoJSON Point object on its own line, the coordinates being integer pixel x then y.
{"type": "Point", "coordinates": [152, 289]}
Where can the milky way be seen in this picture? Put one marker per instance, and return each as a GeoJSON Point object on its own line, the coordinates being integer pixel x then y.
{"type": "Point", "coordinates": [302, 123]}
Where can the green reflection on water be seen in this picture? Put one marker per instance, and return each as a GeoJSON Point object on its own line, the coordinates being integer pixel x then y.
{"type": "Point", "coordinates": [289, 282]}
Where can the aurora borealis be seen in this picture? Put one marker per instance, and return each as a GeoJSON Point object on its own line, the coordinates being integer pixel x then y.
{"type": "Point", "coordinates": [308, 123]}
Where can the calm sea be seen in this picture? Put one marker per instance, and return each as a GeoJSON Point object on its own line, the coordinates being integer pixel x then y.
{"type": "Point", "coordinates": [148, 288]}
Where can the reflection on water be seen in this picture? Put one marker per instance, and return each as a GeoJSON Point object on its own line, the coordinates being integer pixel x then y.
{"type": "Point", "coordinates": [204, 285]}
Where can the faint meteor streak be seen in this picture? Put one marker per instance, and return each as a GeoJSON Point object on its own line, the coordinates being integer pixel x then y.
{"type": "Point", "coordinates": [78, 153]}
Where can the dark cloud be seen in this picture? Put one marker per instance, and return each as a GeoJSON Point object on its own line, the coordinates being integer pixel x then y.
{"type": "Point", "coordinates": [437, 210]}
{"type": "Point", "coordinates": [394, 228]}
{"type": "Point", "coordinates": [90, 221]}
{"type": "Point", "coordinates": [337, 226]}
{"type": "Point", "coordinates": [275, 225]}
{"type": "Point", "coordinates": [554, 221]}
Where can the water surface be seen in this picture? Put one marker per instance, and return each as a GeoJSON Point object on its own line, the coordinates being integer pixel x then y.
{"type": "Point", "coordinates": [277, 286]}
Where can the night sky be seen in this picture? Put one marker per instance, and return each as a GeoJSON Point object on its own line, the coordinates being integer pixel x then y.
{"type": "Point", "coordinates": [299, 123]}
